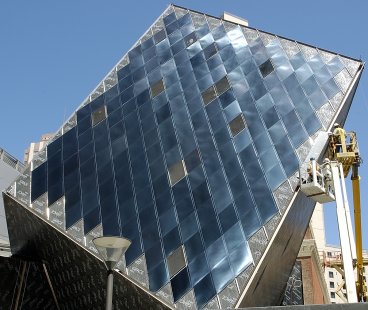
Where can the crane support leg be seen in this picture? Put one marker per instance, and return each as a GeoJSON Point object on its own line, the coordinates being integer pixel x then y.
{"type": "Point", "coordinates": [348, 216]}
{"type": "Point", "coordinates": [344, 235]}
{"type": "Point", "coordinates": [358, 232]}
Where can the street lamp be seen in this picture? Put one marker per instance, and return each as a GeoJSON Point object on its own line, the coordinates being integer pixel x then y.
{"type": "Point", "coordinates": [111, 249]}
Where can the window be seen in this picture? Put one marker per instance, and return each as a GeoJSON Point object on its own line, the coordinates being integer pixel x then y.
{"type": "Point", "coordinates": [210, 50]}
{"type": "Point", "coordinates": [330, 274]}
{"type": "Point", "coordinates": [157, 88]}
{"type": "Point", "coordinates": [177, 172]}
{"type": "Point", "coordinates": [208, 95]}
{"type": "Point", "coordinates": [332, 284]}
{"type": "Point", "coordinates": [332, 294]}
{"type": "Point", "coordinates": [98, 115]}
{"type": "Point", "coordinates": [190, 39]}
{"type": "Point", "coordinates": [329, 254]}
{"type": "Point", "coordinates": [237, 125]}
{"type": "Point", "coordinates": [176, 261]}
{"type": "Point", "coordinates": [222, 85]}
{"type": "Point", "coordinates": [266, 68]}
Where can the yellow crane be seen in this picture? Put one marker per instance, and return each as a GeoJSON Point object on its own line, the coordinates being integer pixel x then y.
{"type": "Point", "coordinates": [343, 147]}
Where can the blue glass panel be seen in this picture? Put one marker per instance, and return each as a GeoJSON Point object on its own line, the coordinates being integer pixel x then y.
{"type": "Point", "coordinates": [169, 19]}
{"type": "Point", "coordinates": [204, 291]}
{"type": "Point", "coordinates": [91, 220]}
{"type": "Point", "coordinates": [158, 277]}
{"type": "Point", "coordinates": [147, 44]}
{"type": "Point", "coordinates": [317, 99]}
{"type": "Point", "coordinates": [83, 112]}
{"type": "Point", "coordinates": [73, 212]}
{"type": "Point", "coordinates": [123, 72]}
{"type": "Point", "coordinates": [232, 110]}
{"type": "Point", "coordinates": [184, 20]}
{"type": "Point", "coordinates": [149, 54]}
{"type": "Point", "coordinates": [39, 181]}
{"type": "Point", "coordinates": [83, 125]}
{"type": "Point", "coordinates": [180, 284]}
{"type": "Point", "coordinates": [198, 269]}
{"type": "Point", "coordinates": [310, 85]}
{"type": "Point", "coordinates": [210, 232]}
{"type": "Point", "coordinates": [189, 226]}
{"type": "Point", "coordinates": [335, 65]}
{"type": "Point", "coordinates": [294, 128]}
{"type": "Point", "coordinates": [303, 73]}
{"type": "Point", "coordinates": [150, 237]}
{"type": "Point", "coordinates": [233, 237]}
{"type": "Point", "coordinates": [297, 60]}
{"type": "Point", "coordinates": [222, 275]}
{"type": "Point", "coordinates": [240, 258]}
{"type": "Point", "coordinates": [193, 247]}
{"type": "Point", "coordinates": [322, 75]}
{"type": "Point", "coordinates": [154, 256]}
{"type": "Point", "coordinates": [134, 251]}
{"type": "Point", "coordinates": [163, 200]}
{"type": "Point", "coordinates": [228, 217]}
{"type": "Point", "coordinates": [330, 88]}
{"type": "Point", "coordinates": [116, 115]}
{"type": "Point", "coordinates": [171, 241]}
{"type": "Point", "coordinates": [167, 221]}
{"type": "Point", "coordinates": [69, 143]}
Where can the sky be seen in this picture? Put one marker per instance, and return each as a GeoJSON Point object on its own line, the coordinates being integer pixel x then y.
{"type": "Point", "coordinates": [54, 53]}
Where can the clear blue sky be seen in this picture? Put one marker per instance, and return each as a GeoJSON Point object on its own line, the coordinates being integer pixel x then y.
{"type": "Point", "coordinates": [54, 53]}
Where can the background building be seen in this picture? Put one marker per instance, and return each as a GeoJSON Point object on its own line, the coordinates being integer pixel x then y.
{"type": "Point", "coordinates": [190, 147]}
{"type": "Point", "coordinates": [10, 168]}
{"type": "Point", "coordinates": [35, 147]}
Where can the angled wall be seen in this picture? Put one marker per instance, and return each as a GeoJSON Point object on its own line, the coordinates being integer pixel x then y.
{"type": "Point", "coordinates": [190, 147]}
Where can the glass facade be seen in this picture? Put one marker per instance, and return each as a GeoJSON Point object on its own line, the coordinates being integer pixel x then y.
{"type": "Point", "coordinates": [184, 151]}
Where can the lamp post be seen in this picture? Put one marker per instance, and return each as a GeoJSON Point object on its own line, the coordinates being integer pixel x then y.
{"type": "Point", "coordinates": [111, 249]}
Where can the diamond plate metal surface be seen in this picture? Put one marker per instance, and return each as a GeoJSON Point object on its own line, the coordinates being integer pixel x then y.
{"type": "Point", "coordinates": [72, 121]}
{"type": "Point", "coordinates": [40, 205]}
{"type": "Point", "coordinates": [94, 233]}
{"type": "Point", "coordinates": [166, 294]}
{"type": "Point", "coordinates": [244, 277]}
{"type": "Point", "coordinates": [180, 12]}
{"type": "Point", "coordinates": [257, 244]}
{"type": "Point", "coordinates": [335, 101]}
{"type": "Point", "coordinates": [23, 187]}
{"type": "Point", "coordinates": [271, 225]}
{"type": "Point", "coordinates": [187, 301]}
{"type": "Point", "coordinates": [266, 37]}
{"type": "Point", "coordinates": [343, 79]}
{"type": "Point", "coordinates": [250, 34]}
{"type": "Point", "coordinates": [76, 232]}
{"type": "Point", "coordinates": [57, 214]}
{"type": "Point", "coordinates": [282, 196]}
{"type": "Point", "coordinates": [326, 56]}
{"type": "Point", "coordinates": [229, 296]}
{"type": "Point", "coordinates": [325, 113]}
{"type": "Point", "coordinates": [303, 150]}
{"type": "Point", "coordinates": [212, 304]}
{"type": "Point", "coordinates": [308, 51]}
{"type": "Point", "coordinates": [213, 22]}
{"type": "Point", "coordinates": [198, 19]}
{"type": "Point", "coordinates": [294, 287]}
{"type": "Point", "coordinates": [138, 271]}
{"type": "Point", "coordinates": [290, 47]}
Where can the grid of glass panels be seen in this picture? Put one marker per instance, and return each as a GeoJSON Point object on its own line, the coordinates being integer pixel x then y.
{"type": "Point", "coordinates": [187, 148]}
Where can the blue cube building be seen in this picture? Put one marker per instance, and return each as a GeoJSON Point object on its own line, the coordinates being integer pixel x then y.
{"type": "Point", "coordinates": [190, 147]}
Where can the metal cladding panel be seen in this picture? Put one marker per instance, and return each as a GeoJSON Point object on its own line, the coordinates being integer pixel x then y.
{"type": "Point", "coordinates": [78, 279]}
{"type": "Point", "coordinates": [194, 140]}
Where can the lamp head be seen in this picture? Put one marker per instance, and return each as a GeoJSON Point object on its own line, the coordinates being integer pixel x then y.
{"type": "Point", "coordinates": [111, 249]}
